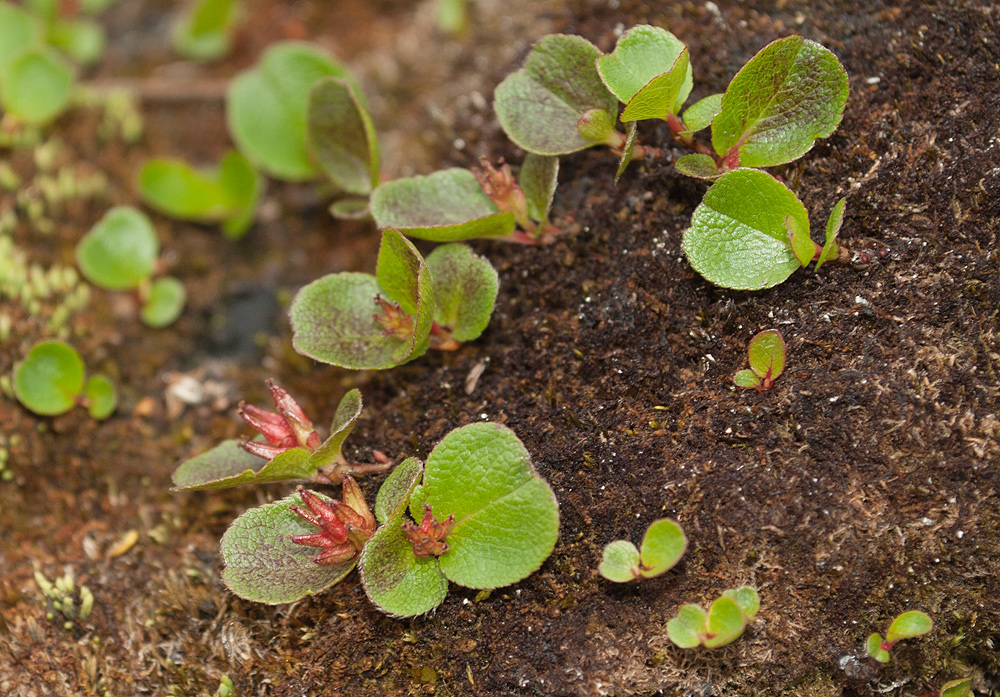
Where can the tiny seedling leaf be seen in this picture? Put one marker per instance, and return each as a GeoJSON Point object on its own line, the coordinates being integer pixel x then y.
{"type": "Point", "coordinates": [465, 290]}
{"type": "Point", "coordinates": [540, 105]}
{"type": "Point", "coordinates": [394, 494]}
{"type": "Point", "coordinates": [229, 464]}
{"type": "Point", "coordinates": [175, 188]}
{"type": "Point", "coordinates": [747, 598]}
{"type": "Point", "coordinates": [724, 624]}
{"type": "Point", "coordinates": [833, 224]}
{"type": "Point", "coordinates": [738, 237]}
{"type": "Point", "coordinates": [661, 97]}
{"type": "Point", "coordinates": [347, 414]}
{"type": "Point", "coordinates": [788, 95]}
{"type": "Point", "coordinates": [50, 378]}
{"type": "Point", "coordinates": [165, 302]}
{"type": "Point", "coordinates": [101, 397]}
{"type": "Point", "coordinates": [18, 31]}
{"type": "Point", "coordinates": [597, 126]}
{"type": "Point", "coordinates": [700, 114]}
{"type": "Point", "coordinates": [267, 108]}
{"type": "Point", "coordinates": [244, 187]}
{"type": "Point", "coordinates": [875, 650]}
{"type": "Point", "coordinates": [83, 40]}
{"type": "Point", "coordinates": [119, 251]}
{"type": "Point", "coordinates": [263, 565]}
{"type": "Point", "coordinates": [802, 246]}
{"type": "Point", "coordinates": [698, 165]}
{"type": "Point", "coordinates": [767, 355]}
{"type": "Point", "coordinates": [341, 136]}
{"type": "Point", "coordinates": [687, 629]}
{"type": "Point", "coordinates": [908, 625]}
{"type": "Point", "coordinates": [538, 179]}
{"type": "Point", "coordinates": [620, 562]}
{"type": "Point", "coordinates": [957, 688]}
{"type": "Point", "coordinates": [746, 378]}
{"type": "Point", "coordinates": [35, 85]}
{"type": "Point", "coordinates": [643, 56]}
{"type": "Point", "coordinates": [203, 33]}
{"type": "Point", "coordinates": [446, 206]}
{"type": "Point", "coordinates": [662, 547]}
{"type": "Point", "coordinates": [629, 150]}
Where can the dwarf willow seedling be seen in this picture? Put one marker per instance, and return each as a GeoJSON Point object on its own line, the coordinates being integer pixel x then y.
{"type": "Point", "coordinates": [662, 547]}
{"type": "Point", "coordinates": [205, 31]}
{"type": "Point", "coordinates": [906, 626]}
{"type": "Point", "coordinates": [227, 194]}
{"type": "Point", "coordinates": [365, 322]}
{"type": "Point", "coordinates": [956, 688]}
{"type": "Point", "coordinates": [766, 352]}
{"type": "Point", "coordinates": [120, 253]}
{"type": "Point", "coordinates": [35, 84]}
{"type": "Point", "coordinates": [51, 380]}
{"type": "Point", "coordinates": [722, 624]}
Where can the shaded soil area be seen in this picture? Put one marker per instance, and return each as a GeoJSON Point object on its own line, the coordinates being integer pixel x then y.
{"type": "Point", "coordinates": [864, 484]}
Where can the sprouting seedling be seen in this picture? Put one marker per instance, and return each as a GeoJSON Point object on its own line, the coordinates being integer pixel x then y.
{"type": "Point", "coordinates": [662, 547]}
{"type": "Point", "coordinates": [722, 624]}
{"type": "Point", "coordinates": [766, 351]}
{"type": "Point", "coordinates": [51, 380]}
{"type": "Point", "coordinates": [456, 204]}
{"type": "Point", "coordinates": [204, 32]}
{"type": "Point", "coordinates": [751, 232]}
{"type": "Point", "coordinates": [228, 194]}
{"type": "Point", "coordinates": [291, 449]}
{"type": "Point", "coordinates": [906, 626]}
{"type": "Point", "coordinates": [35, 84]}
{"type": "Point", "coordinates": [360, 321]}
{"type": "Point", "coordinates": [120, 253]}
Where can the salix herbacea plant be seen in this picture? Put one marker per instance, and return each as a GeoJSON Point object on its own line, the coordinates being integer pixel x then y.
{"type": "Point", "coordinates": [120, 253]}
{"type": "Point", "coordinates": [227, 194]}
{"type": "Point", "coordinates": [906, 626]}
{"type": "Point", "coordinates": [766, 352]}
{"type": "Point", "coordinates": [722, 624]}
{"type": "Point", "coordinates": [365, 322]}
{"type": "Point", "coordinates": [662, 547]}
{"type": "Point", "coordinates": [51, 380]}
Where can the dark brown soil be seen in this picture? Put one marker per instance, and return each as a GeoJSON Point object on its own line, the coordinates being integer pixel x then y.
{"type": "Point", "coordinates": [864, 484]}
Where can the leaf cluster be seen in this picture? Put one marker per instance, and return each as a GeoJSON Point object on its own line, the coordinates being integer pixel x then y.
{"type": "Point", "coordinates": [722, 624]}
{"type": "Point", "coordinates": [766, 352]}
{"type": "Point", "coordinates": [51, 380]}
{"type": "Point", "coordinates": [662, 547]}
{"type": "Point", "coordinates": [906, 626]}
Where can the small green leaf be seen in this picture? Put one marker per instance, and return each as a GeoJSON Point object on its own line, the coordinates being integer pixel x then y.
{"type": "Point", "coordinates": [788, 95]}
{"type": "Point", "coordinates": [400, 583]}
{"type": "Point", "coordinates": [802, 245]}
{"type": "Point", "coordinates": [833, 224]}
{"type": "Point", "coordinates": [767, 355]}
{"type": "Point", "coordinates": [175, 188]}
{"type": "Point", "coordinates": [263, 565]}
{"type": "Point", "coordinates": [538, 179]}
{"type": "Point", "coordinates": [908, 625]}
{"type": "Point", "coordinates": [738, 238]}
{"type": "Point", "coordinates": [83, 40]}
{"type": "Point", "coordinates": [643, 56]}
{"type": "Point", "coordinates": [465, 290]}
{"type": "Point", "coordinates": [746, 378]}
{"type": "Point", "coordinates": [267, 108]}
{"type": "Point", "coordinates": [341, 135]}
{"type": "Point", "coordinates": [203, 32]}
{"type": "Point", "coordinates": [119, 251]}
{"type": "Point", "coordinates": [399, 270]}
{"type": "Point", "coordinates": [687, 629]}
{"type": "Point", "coordinates": [957, 688]}
{"type": "Point", "coordinates": [394, 494]}
{"type": "Point", "coordinates": [724, 624]}
{"type": "Point", "coordinates": [700, 114]}
{"type": "Point", "coordinates": [662, 547]}
{"type": "Point", "coordinates": [747, 598]}
{"type": "Point", "coordinates": [229, 464]}
{"type": "Point", "coordinates": [506, 516]}
{"type": "Point", "coordinates": [35, 85]}
{"type": "Point", "coordinates": [447, 206]}
{"type": "Point", "coordinates": [333, 322]}
{"type": "Point", "coordinates": [597, 126]}
{"type": "Point", "coordinates": [347, 414]}
{"type": "Point", "coordinates": [629, 150]}
{"type": "Point", "coordinates": [50, 378]}
{"type": "Point", "coordinates": [18, 31]}
{"type": "Point", "coordinates": [620, 563]}
{"type": "Point", "coordinates": [244, 187]}
{"type": "Point", "coordinates": [350, 208]}
{"type": "Point", "coordinates": [875, 649]}
{"type": "Point", "coordinates": [540, 105]}
{"type": "Point", "coordinates": [165, 302]}
{"type": "Point", "coordinates": [101, 397]}
{"type": "Point", "coordinates": [698, 165]}
{"type": "Point", "coordinates": [659, 99]}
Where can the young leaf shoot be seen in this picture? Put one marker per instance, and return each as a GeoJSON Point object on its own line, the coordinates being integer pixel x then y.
{"type": "Point", "coordinates": [662, 547]}
{"type": "Point", "coordinates": [906, 626]}
{"type": "Point", "coordinates": [766, 351]}
{"type": "Point", "coordinates": [50, 381]}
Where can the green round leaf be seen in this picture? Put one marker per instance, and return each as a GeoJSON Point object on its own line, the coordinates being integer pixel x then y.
{"type": "Point", "coordinates": [875, 650]}
{"type": "Point", "coordinates": [82, 40]}
{"type": "Point", "coordinates": [263, 565]}
{"type": "Point", "coordinates": [908, 625]}
{"type": "Point", "coordinates": [228, 464]}
{"type": "Point", "coordinates": [957, 688]}
{"type": "Point", "coordinates": [738, 238]}
{"type": "Point", "coordinates": [465, 290]}
{"type": "Point", "coordinates": [175, 188]}
{"type": "Point", "coordinates": [400, 583]}
{"type": "Point", "coordinates": [267, 108]}
{"type": "Point", "coordinates": [538, 179]}
{"type": "Point", "coordinates": [643, 56]}
{"type": "Point", "coordinates": [18, 31]}
{"type": "Point", "coordinates": [341, 135]}
{"type": "Point", "coordinates": [746, 378]}
{"type": "Point", "coordinates": [119, 251]}
{"type": "Point", "coordinates": [101, 397]}
{"type": "Point", "coordinates": [724, 624]}
{"type": "Point", "coordinates": [344, 419]}
{"type": "Point", "coordinates": [747, 598]}
{"type": "Point", "coordinates": [697, 165]}
{"type": "Point", "coordinates": [446, 206]}
{"type": "Point", "coordinates": [394, 494]}
{"type": "Point", "coordinates": [35, 85]}
{"type": "Point", "coordinates": [50, 378]}
{"type": "Point", "coordinates": [788, 95]}
{"type": "Point", "coordinates": [767, 354]}
{"type": "Point", "coordinates": [700, 114]}
{"type": "Point", "coordinates": [539, 106]}
{"type": "Point", "coordinates": [203, 33]}
{"type": "Point", "coordinates": [620, 562]}
{"type": "Point", "coordinates": [687, 629]}
{"type": "Point", "coordinates": [662, 547]}
{"type": "Point", "coordinates": [506, 516]}
{"type": "Point", "coordinates": [659, 99]}
{"type": "Point", "coordinates": [165, 302]}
